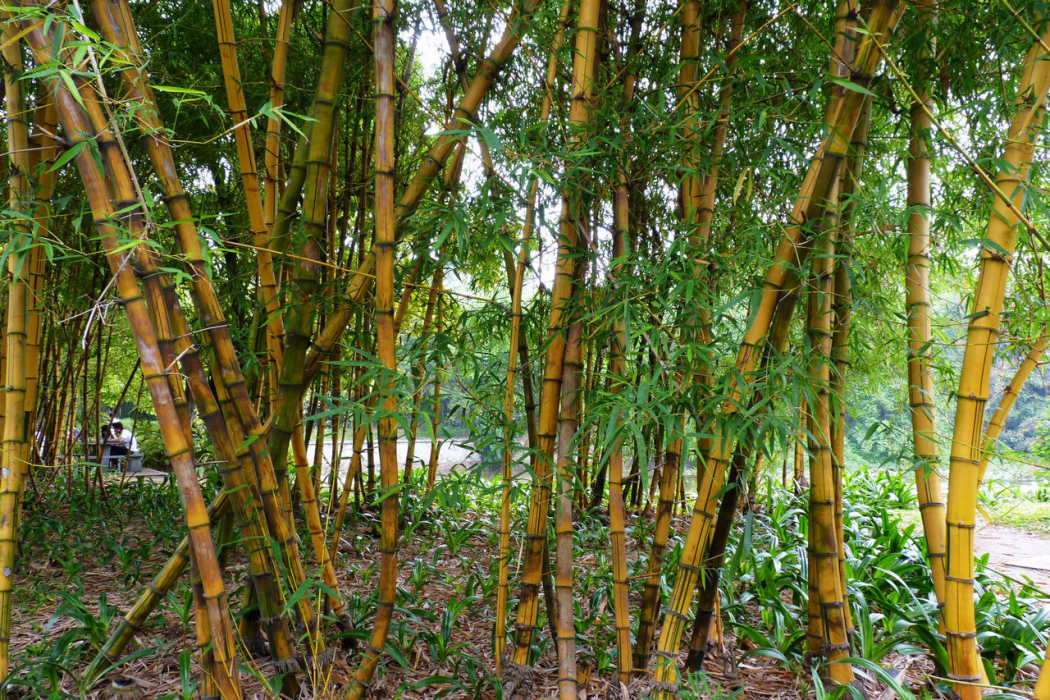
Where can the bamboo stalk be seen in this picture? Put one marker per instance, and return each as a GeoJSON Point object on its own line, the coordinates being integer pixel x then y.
{"type": "Point", "coordinates": [463, 117]}
{"type": "Point", "coordinates": [150, 598]}
{"type": "Point", "coordinates": [272, 155]}
{"type": "Point", "coordinates": [572, 214]}
{"type": "Point", "coordinates": [383, 12]}
{"type": "Point", "coordinates": [313, 523]}
{"type": "Point", "coordinates": [300, 314]}
{"type": "Point", "coordinates": [617, 377]}
{"type": "Point", "coordinates": [419, 370]}
{"type": "Point", "coordinates": [78, 130]}
{"type": "Point", "coordinates": [1006, 403]}
{"type": "Point", "coordinates": [566, 627]}
{"type": "Point", "coordinates": [706, 610]}
{"type": "Point", "coordinates": [249, 171]}
{"type": "Point", "coordinates": [239, 410]}
{"type": "Point", "coordinates": [921, 397]}
{"type": "Point", "coordinates": [435, 446]}
{"type": "Point", "coordinates": [982, 332]}
{"type": "Point", "coordinates": [823, 553]}
{"type": "Point", "coordinates": [516, 341]}
{"type": "Point", "coordinates": [842, 304]}
{"type": "Point", "coordinates": [668, 490]}
{"type": "Point", "coordinates": [823, 171]}
{"type": "Point", "coordinates": [19, 199]}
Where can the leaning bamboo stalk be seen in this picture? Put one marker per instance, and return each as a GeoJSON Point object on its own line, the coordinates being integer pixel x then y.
{"type": "Point", "coordinates": [517, 283]}
{"type": "Point", "coordinates": [419, 370]}
{"type": "Point", "coordinates": [78, 130]}
{"type": "Point", "coordinates": [360, 432]}
{"type": "Point", "coordinates": [699, 191]}
{"type": "Point", "coordinates": [921, 398]}
{"type": "Point", "coordinates": [249, 171]}
{"type": "Point", "coordinates": [974, 376]}
{"type": "Point", "coordinates": [842, 305]}
{"type": "Point", "coordinates": [230, 383]}
{"type": "Point", "coordinates": [167, 315]}
{"type": "Point", "coordinates": [570, 403]}
{"type": "Point", "coordinates": [209, 688]}
{"type": "Point", "coordinates": [272, 155]}
{"type": "Point", "coordinates": [386, 348]}
{"type": "Point", "coordinates": [313, 523]}
{"type": "Point", "coordinates": [300, 314]}
{"type": "Point", "coordinates": [572, 212]}
{"type": "Point", "coordinates": [823, 171]}
{"type": "Point", "coordinates": [1006, 403]}
{"type": "Point", "coordinates": [150, 598]}
{"type": "Point", "coordinates": [435, 421]}
{"type": "Point", "coordinates": [707, 603]}
{"type": "Point", "coordinates": [668, 490]}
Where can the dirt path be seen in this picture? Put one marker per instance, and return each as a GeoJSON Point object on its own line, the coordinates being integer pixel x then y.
{"type": "Point", "coordinates": [1015, 553]}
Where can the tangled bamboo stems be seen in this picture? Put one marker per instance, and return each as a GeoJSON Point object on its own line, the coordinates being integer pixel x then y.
{"type": "Point", "coordinates": [77, 128]}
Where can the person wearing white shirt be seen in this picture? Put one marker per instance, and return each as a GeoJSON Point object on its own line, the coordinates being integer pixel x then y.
{"type": "Point", "coordinates": [120, 442]}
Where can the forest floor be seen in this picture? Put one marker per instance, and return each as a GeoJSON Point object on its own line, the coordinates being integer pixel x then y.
{"type": "Point", "coordinates": [422, 668]}
{"type": "Point", "coordinates": [78, 581]}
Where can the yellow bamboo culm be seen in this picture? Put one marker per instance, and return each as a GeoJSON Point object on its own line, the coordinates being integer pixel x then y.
{"type": "Point", "coordinates": [386, 348]}
{"type": "Point", "coordinates": [19, 199]}
{"type": "Point", "coordinates": [568, 686]}
{"type": "Point", "coordinates": [1006, 403]}
{"type": "Point", "coordinates": [582, 92]}
{"type": "Point", "coordinates": [517, 285]}
{"type": "Point", "coordinates": [823, 172]}
{"type": "Point", "coordinates": [117, 24]}
{"type": "Point", "coordinates": [419, 378]}
{"type": "Point", "coordinates": [463, 117]}
{"type": "Point", "coordinates": [843, 304]}
{"type": "Point", "coordinates": [974, 378]}
{"type": "Point", "coordinates": [823, 553]}
{"type": "Point", "coordinates": [921, 398]}
{"type": "Point", "coordinates": [616, 372]}
{"type": "Point", "coordinates": [78, 128]}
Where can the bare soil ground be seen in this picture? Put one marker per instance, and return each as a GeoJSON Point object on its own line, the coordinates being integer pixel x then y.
{"type": "Point", "coordinates": [1015, 553]}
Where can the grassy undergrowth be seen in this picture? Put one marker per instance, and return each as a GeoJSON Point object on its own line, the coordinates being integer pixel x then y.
{"type": "Point", "coordinates": [85, 559]}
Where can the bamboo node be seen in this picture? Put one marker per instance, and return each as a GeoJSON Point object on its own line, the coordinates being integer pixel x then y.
{"type": "Point", "coordinates": [961, 635]}
{"type": "Point", "coordinates": [289, 665]}
{"type": "Point", "coordinates": [834, 647]}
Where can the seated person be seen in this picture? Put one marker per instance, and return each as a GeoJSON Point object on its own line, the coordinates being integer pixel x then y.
{"type": "Point", "coordinates": [120, 442]}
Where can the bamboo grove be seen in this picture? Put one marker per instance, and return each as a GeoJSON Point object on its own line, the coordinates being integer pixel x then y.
{"type": "Point", "coordinates": [650, 250]}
